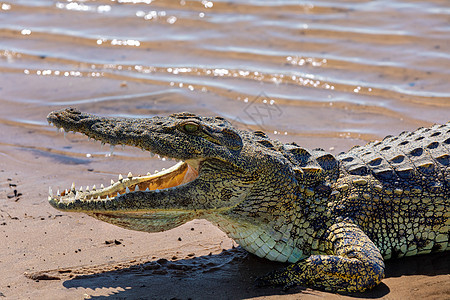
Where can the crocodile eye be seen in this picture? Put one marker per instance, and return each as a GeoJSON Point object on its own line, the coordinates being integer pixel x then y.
{"type": "Point", "coordinates": [191, 127]}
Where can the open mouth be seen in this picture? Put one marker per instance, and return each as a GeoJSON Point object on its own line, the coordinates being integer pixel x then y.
{"type": "Point", "coordinates": [181, 173]}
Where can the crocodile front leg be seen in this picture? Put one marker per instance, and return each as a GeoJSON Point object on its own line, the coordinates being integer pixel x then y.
{"type": "Point", "coordinates": [354, 264]}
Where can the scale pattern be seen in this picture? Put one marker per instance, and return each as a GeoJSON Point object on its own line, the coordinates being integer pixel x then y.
{"type": "Point", "coordinates": [403, 183]}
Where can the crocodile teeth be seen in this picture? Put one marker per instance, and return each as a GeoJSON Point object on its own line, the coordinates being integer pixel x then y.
{"type": "Point", "coordinates": [147, 190]}
{"type": "Point", "coordinates": [107, 197]}
{"type": "Point", "coordinates": [73, 186]}
{"type": "Point", "coordinates": [130, 175]}
{"type": "Point", "coordinates": [94, 187]}
{"type": "Point", "coordinates": [81, 189]}
{"type": "Point", "coordinates": [120, 177]}
{"type": "Point", "coordinates": [118, 194]}
{"type": "Point", "coordinates": [111, 149]}
{"type": "Point", "coordinates": [127, 190]}
{"type": "Point", "coordinates": [148, 173]}
{"type": "Point", "coordinates": [66, 192]}
{"type": "Point", "coordinates": [102, 186]}
{"type": "Point", "coordinates": [157, 191]}
{"type": "Point", "coordinates": [112, 182]}
{"type": "Point", "coordinates": [58, 193]}
{"type": "Point", "coordinates": [87, 188]}
{"type": "Point", "coordinates": [152, 154]}
{"type": "Point", "coordinates": [156, 171]}
{"type": "Point", "coordinates": [77, 194]}
{"type": "Point", "coordinates": [98, 198]}
{"type": "Point", "coordinates": [50, 192]}
{"type": "Point", "coordinates": [136, 189]}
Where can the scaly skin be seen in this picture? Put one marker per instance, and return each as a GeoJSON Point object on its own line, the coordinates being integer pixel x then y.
{"type": "Point", "coordinates": [334, 218]}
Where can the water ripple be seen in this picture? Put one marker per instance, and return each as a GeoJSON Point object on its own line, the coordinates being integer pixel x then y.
{"type": "Point", "coordinates": [335, 69]}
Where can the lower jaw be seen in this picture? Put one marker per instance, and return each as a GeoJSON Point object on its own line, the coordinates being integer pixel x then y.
{"type": "Point", "coordinates": [149, 221]}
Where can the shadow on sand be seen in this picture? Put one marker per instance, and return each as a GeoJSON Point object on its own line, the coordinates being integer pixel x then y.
{"type": "Point", "coordinates": [228, 275]}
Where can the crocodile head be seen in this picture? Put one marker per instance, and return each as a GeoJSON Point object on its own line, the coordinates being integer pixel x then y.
{"type": "Point", "coordinates": [234, 178]}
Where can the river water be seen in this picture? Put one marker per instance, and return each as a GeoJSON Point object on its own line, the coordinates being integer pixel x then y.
{"type": "Point", "coordinates": [327, 74]}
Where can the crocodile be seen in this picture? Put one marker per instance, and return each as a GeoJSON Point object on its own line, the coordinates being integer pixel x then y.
{"type": "Point", "coordinates": [335, 219]}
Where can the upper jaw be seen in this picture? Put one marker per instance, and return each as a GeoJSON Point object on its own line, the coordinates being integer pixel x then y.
{"type": "Point", "coordinates": [157, 135]}
{"type": "Point", "coordinates": [141, 133]}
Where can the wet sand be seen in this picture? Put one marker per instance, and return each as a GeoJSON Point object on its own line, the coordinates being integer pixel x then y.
{"type": "Point", "coordinates": [327, 74]}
